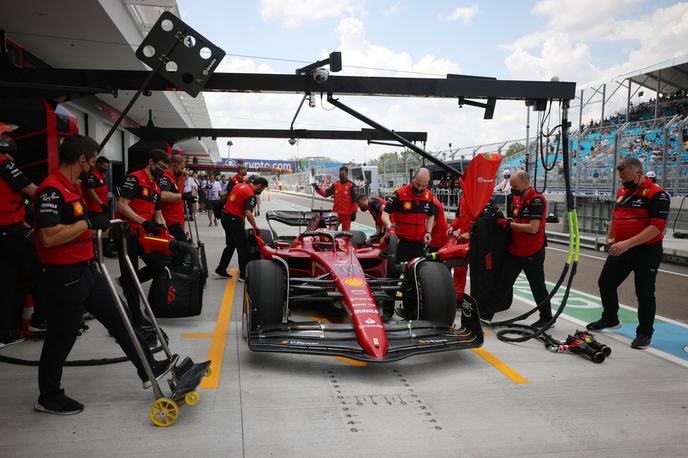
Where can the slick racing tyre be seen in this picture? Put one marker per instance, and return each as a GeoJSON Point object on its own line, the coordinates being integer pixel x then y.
{"type": "Point", "coordinates": [264, 295]}
{"type": "Point", "coordinates": [435, 299]}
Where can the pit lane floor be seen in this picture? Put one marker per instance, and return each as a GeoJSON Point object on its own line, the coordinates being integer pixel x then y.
{"type": "Point", "coordinates": [502, 400]}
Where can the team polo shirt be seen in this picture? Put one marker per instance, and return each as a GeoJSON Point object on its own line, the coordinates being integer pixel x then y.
{"type": "Point", "coordinates": [59, 201]}
{"type": "Point", "coordinates": [144, 195]}
{"type": "Point", "coordinates": [647, 205]}
{"type": "Point", "coordinates": [12, 181]}
{"type": "Point", "coordinates": [241, 198]}
{"type": "Point", "coordinates": [527, 207]}
{"type": "Point", "coordinates": [96, 181]}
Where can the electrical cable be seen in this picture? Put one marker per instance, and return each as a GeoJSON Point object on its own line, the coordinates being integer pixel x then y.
{"type": "Point", "coordinates": [519, 332]}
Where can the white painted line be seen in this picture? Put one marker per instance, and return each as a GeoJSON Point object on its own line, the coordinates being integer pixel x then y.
{"type": "Point", "coordinates": [619, 337]}
{"type": "Point", "coordinates": [604, 259]}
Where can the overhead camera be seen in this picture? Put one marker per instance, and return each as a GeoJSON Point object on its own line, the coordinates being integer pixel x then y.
{"type": "Point", "coordinates": [292, 141]}
{"type": "Point", "coordinates": [320, 75]}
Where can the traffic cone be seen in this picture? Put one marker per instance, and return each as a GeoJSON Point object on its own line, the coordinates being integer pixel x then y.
{"type": "Point", "coordinates": [26, 317]}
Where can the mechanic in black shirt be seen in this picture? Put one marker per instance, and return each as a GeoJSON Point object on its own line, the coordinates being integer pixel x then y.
{"type": "Point", "coordinates": [526, 251]}
{"type": "Point", "coordinates": [18, 259]}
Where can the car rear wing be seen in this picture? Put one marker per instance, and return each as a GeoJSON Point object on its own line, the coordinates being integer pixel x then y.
{"type": "Point", "coordinates": [297, 218]}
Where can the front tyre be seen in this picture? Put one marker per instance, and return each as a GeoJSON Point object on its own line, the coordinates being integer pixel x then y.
{"type": "Point", "coordinates": [435, 299]}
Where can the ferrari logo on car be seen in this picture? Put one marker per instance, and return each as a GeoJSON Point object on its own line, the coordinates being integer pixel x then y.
{"type": "Point", "coordinates": [354, 282]}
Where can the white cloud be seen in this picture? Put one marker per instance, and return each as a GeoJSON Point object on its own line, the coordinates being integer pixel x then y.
{"type": "Point", "coordinates": [564, 46]}
{"type": "Point", "coordinates": [464, 14]}
{"type": "Point", "coordinates": [442, 119]}
{"type": "Point", "coordinates": [293, 13]}
{"type": "Point", "coordinates": [392, 8]}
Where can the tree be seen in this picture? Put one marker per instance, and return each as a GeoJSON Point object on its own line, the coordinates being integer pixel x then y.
{"type": "Point", "coordinates": [384, 157]}
{"type": "Point", "coordinates": [515, 148]}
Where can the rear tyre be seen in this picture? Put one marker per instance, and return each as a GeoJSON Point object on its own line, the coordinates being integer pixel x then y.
{"type": "Point", "coordinates": [264, 295]}
{"type": "Point", "coordinates": [436, 296]}
{"type": "Point", "coordinates": [358, 238]}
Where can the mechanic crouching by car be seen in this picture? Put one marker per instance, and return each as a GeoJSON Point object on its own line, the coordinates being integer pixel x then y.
{"type": "Point", "coordinates": [18, 258]}
{"type": "Point", "coordinates": [64, 244]}
{"type": "Point", "coordinates": [635, 245]}
{"type": "Point", "coordinates": [374, 205]}
{"type": "Point", "coordinates": [526, 251]}
{"type": "Point", "coordinates": [239, 206]}
{"type": "Point", "coordinates": [413, 209]}
{"type": "Point", "coordinates": [139, 205]}
{"type": "Point", "coordinates": [344, 192]}
{"type": "Point", "coordinates": [173, 200]}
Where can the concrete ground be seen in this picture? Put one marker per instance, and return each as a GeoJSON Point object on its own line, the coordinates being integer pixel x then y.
{"type": "Point", "coordinates": [501, 400]}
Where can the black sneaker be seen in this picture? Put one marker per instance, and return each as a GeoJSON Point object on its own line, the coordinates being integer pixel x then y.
{"type": "Point", "coordinates": [38, 325]}
{"type": "Point", "coordinates": [542, 322]}
{"type": "Point", "coordinates": [160, 368]}
{"type": "Point", "coordinates": [641, 341]}
{"type": "Point", "coordinates": [10, 339]}
{"type": "Point", "coordinates": [61, 405]}
{"type": "Point", "coordinates": [219, 273]}
{"type": "Point", "coordinates": [603, 323]}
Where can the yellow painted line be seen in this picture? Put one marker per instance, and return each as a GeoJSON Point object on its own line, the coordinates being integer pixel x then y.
{"type": "Point", "coordinates": [217, 345]}
{"type": "Point", "coordinates": [343, 359]}
{"type": "Point", "coordinates": [500, 366]}
{"type": "Point", "coordinates": [201, 335]}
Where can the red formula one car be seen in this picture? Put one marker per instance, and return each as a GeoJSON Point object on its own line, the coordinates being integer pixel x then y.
{"type": "Point", "coordinates": [326, 268]}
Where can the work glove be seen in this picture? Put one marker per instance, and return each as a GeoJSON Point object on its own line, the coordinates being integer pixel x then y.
{"type": "Point", "coordinates": [189, 197]}
{"type": "Point", "coordinates": [504, 223]}
{"type": "Point", "coordinates": [101, 222]}
{"type": "Point", "coordinates": [151, 227]}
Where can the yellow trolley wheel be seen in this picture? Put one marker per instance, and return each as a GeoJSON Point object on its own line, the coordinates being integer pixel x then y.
{"type": "Point", "coordinates": [163, 412]}
{"type": "Point", "coordinates": [208, 371]}
{"type": "Point", "coordinates": [191, 398]}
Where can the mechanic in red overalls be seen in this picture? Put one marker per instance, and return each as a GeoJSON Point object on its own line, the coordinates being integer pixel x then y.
{"type": "Point", "coordinates": [96, 188]}
{"type": "Point", "coordinates": [413, 209]}
{"type": "Point", "coordinates": [18, 258]}
{"type": "Point", "coordinates": [173, 199]}
{"type": "Point", "coordinates": [64, 244]}
{"type": "Point", "coordinates": [239, 206]}
{"type": "Point", "coordinates": [635, 245]}
{"type": "Point", "coordinates": [139, 204]}
{"type": "Point", "coordinates": [526, 251]}
{"type": "Point", "coordinates": [440, 229]}
{"type": "Point", "coordinates": [344, 192]}
{"type": "Point", "coordinates": [237, 178]}
{"type": "Point", "coordinates": [374, 205]}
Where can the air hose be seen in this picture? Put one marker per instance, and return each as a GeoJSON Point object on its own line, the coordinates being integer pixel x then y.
{"type": "Point", "coordinates": [519, 332]}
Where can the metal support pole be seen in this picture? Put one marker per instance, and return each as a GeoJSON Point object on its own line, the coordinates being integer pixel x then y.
{"type": "Point", "coordinates": [628, 102]}
{"type": "Point", "coordinates": [604, 102]}
{"type": "Point", "coordinates": [659, 82]}
{"type": "Point", "coordinates": [616, 159]}
{"type": "Point", "coordinates": [163, 60]}
{"type": "Point", "coordinates": [527, 135]}
{"type": "Point", "coordinates": [581, 132]}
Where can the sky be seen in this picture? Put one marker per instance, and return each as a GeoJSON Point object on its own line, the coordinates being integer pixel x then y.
{"type": "Point", "coordinates": [580, 41]}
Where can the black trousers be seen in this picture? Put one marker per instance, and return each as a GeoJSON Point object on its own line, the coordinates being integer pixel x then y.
{"type": "Point", "coordinates": [155, 264]}
{"type": "Point", "coordinates": [235, 238]}
{"type": "Point", "coordinates": [643, 261]}
{"type": "Point", "coordinates": [533, 267]}
{"type": "Point", "coordinates": [407, 250]}
{"type": "Point", "coordinates": [19, 264]}
{"type": "Point", "coordinates": [177, 232]}
{"type": "Point", "coordinates": [74, 289]}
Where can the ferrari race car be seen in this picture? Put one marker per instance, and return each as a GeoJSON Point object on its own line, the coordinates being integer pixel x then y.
{"type": "Point", "coordinates": [329, 269]}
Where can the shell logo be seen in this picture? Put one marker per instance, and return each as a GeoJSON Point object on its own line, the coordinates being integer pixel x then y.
{"type": "Point", "coordinates": [427, 195]}
{"type": "Point", "coordinates": [354, 282]}
{"type": "Point", "coordinates": [232, 197]}
{"type": "Point", "coordinates": [407, 205]}
{"type": "Point", "coordinates": [144, 192]}
{"type": "Point", "coordinates": [78, 208]}
{"type": "Point", "coordinates": [646, 191]}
